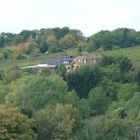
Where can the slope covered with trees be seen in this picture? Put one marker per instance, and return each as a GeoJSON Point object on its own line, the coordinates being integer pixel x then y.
{"type": "Point", "coordinates": [28, 43]}
{"type": "Point", "coordinates": [39, 41]}
{"type": "Point", "coordinates": [95, 102]}
{"type": "Point", "coordinates": [119, 38]}
{"type": "Point", "coordinates": [92, 103]}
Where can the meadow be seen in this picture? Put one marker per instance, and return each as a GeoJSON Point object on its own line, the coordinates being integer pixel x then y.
{"type": "Point", "coordinates": [132, 53]}
{"type": "Point", "coordinates": [7, 64]}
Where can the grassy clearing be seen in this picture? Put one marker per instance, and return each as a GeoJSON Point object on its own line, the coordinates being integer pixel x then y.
{"type": "Point", "coordinates": [7, 64]}
{"type": "Point", "coordinates": [132, 53]}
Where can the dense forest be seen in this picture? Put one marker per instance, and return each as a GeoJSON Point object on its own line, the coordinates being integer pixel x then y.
{"type": "Point", "coordinates": [94, 102]}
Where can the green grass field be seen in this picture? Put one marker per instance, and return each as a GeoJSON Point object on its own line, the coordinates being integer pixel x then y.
{"type": "Point", "coordinates": [132, 53]}
{"type": "Point", "coordinates": [7, 64]}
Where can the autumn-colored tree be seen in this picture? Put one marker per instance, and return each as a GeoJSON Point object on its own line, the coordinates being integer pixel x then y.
{"type": "Point", "coordinates": [68, 41]}
{"type": "Point", "coordinates": [13, 74]}
{"type": "Point", "coordinates": [52, 40]}
{"type": "Point", "coordinates": [14, 125]}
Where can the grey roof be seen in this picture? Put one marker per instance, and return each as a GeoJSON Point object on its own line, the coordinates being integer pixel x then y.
{"type": "Point", "coordinates": [58, 60]}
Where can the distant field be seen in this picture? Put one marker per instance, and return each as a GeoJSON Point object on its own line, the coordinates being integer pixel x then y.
{"type": "Point", "coordinates": [7, 64]}
{"type": "Point", "coordinates": [132, 53]}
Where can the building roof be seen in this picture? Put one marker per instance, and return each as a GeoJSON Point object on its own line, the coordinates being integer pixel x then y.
{"type": "Point", "coordinates": [59, 60]}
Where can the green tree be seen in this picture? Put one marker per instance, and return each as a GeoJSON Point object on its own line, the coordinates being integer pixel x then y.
{"type": "Point", "coordinates": [38, 91]}
{"type": "Point", "coordinates": [98, 101]}
{"type": "Point", "coordinates": [118, 38]}
{"type": "Point", "coordinates": [83, 80]}
{"type": "Point", "coordinates": [13, 74]}
{"type": "Point", "coordinates": [117, 129]}
{"type": "Point", "coordinates": [81, 104]}
{"type": "Point", "coordinates": [58, 122]}
{"type": "Point", "coordinates": [68, 41]}
{"type": "Point", "coordinates": [43, 46]}
{"type": "Point", "coordinates": [14, 125]}
{"type": "Point", "coordinates": [125, 64]}
{"type": "Point", "coordinates": [1, 41]}
{"type": "Point", "coordinates": [111, 72]}
{"type": "Point", "coordinates": [60, 32]}
{"type": "Point", "coordinates": [2, 75]}
{"type": "Point", "coordinates": [52, 40]}
{"type": "Point", "coordinates": [61, 70]}
{"type": "Point", "coordinates": [94, 126]}
{"type": "Point", "coordinates": [138, 77]}
{"type": "Point", "coordinates": [4, 90]}
{"type": "Point", "coordinates": [126, 91]}
{"type": "Point", "coordinates": [134, 103]}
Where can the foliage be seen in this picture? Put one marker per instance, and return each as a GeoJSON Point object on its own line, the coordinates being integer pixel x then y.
{"type": "Point", "coordinates": [2, 75]}
{"type": "Point", "coordinates": [127, 91]}
{"type": "Point", "coordinates": [98, 101]}
{"type": "Point", "coordinates": [111, 72]}
{"type": "Point", "coordinates": [123, 62]}
{"type": "Point", "coordinates": [118, 38]}
{"type": "Point", "coordinates": [68, 41]}
{"type": "Point", "coordinates": [93, 103]}
{"type": "Point", "coordinates": [131, 53]}
{"type": "Point", "coordinates": [94, 126]}
{"type": "Point", "coordinates": [61, 70]}
{"type": "Point", "coordinates": [43, 46]}
{"type": "Point", "coordinates": [82, 105]}
{"type": "Point", "coordinates": [83, 79]}
{"type": "Point", "coordinates": [13, 74]}
{"type": "Point", "coordinates": [14, 125]}
{"type": "Point", "coordinates": [133, 110]}
{"type": "Point", "coordinates": [118, 69]}
{"type": "Point", "coordinates": [52, 40]}
{"type": "Point", "coordinates": [4, 90]}
{"type": "Point", "coordinates": [38, 41]}
{"type": "Point", "coordinates": [117, 129]}
{"type": "Point", "coordinates": [37, 92]}
{"type": "Point", "coordinates": [58, 122]}
{"type": "Point", "coordinates": [1, 55]}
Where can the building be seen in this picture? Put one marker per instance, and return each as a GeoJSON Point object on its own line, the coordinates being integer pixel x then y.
{"type": "Point", "coordinates": [64, 60]}
{"type": "Point", "coordinates": [86, 60]}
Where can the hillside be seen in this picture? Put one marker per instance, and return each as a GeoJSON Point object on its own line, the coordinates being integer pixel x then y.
{"type": "Point", "coordinates": [7, 64]}
{"type": "Point", "coordinates": [92, 101]}
{"type": "Point", "coordinates": [34, 43]}
{"type": "Point", "coordinates": [133, 53]}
